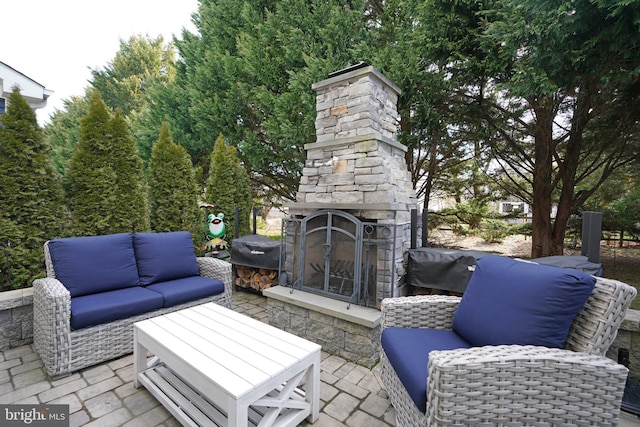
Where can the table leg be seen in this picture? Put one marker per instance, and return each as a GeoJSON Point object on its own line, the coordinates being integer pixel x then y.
{"type": "Point", "coordinates": [312, 388]}
{"type": "Point", "coordinates": [139, 358]}
{"type": "Point", "coordinates": [238, 415]}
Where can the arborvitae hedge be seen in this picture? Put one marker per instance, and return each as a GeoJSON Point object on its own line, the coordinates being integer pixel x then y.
{"type": "Point", "coordinates": [173, 191]}
{"type": "Point", "coordinates": [31, 199]}
{"type": "Point", "coordinates": [105, 182]}
{"type": "Point", "coordinates": [228, 187]}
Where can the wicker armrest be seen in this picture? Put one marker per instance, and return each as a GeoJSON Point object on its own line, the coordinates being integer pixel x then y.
{"type": "Point", "coordinates": [51, 320]}
{"type": "Point", "coordinates": [216, 269]}
{"type": "Point", "coordinates": [425, 311]}
{"type": "Point", "coordinates": [525, 384]}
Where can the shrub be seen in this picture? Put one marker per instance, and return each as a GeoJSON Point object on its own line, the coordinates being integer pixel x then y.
{"type": "Point", "coordinates": [31, 198]}
{"type": "Point", "coordinates": [105, 183]}
{"type": "Point", "coordinates": [494, 230]}
{"type": "Point", "coordinates": [173, 192]}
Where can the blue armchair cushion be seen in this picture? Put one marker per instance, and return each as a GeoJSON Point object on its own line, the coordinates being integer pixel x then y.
{"type": "Point", "coordinates": [93, 264]}
{"type": "Point", "coordinates": [187, 289]}
{"type": "Point", "coordinates": [516, 302]}
{"type": "Point", "coordinates": [408, 352]}
{"type": "Point", "coordinates": [164, 256]}
{"type": "Point", "coordinates": [89, 310]}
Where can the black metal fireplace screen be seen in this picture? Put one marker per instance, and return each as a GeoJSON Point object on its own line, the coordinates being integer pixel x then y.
{"type": "Point", "coordinates": [335, 254]}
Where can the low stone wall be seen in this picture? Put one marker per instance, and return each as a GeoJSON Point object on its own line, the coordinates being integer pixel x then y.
{"type": "Point", "coordinates": [16, 318]}
{"type": "Point", "coordinates": [352, 333]}
{"type": "Point", "coordinates": [628, 339]}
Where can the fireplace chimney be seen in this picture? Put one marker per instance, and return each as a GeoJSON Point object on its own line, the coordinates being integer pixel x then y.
{"type": "Point", "coordinates": [357, 165]}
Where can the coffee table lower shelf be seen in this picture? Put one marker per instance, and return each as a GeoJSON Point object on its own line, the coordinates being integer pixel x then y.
{"type": "Point", "coordinates": [193, 409]}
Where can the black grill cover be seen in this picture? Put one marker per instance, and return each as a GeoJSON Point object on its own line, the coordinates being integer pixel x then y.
{"type": "Point", "coordinates": [255, 251]}
{"type": "Point", "coordinates": [440, 268]}
{"type": "Point", "coordinates": [576, 262]}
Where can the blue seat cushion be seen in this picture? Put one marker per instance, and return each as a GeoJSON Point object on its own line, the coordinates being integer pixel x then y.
{"type": "Point", "coordinates": [89, 310]}
{"type": "Point", "coordinates": [516, 302]}
{"type": "Point", "coordinates": [408, 352]}
{"type": "Point", "coordinates": [164, 256]}
{"type": "Point", "coordinates": [93, 264]}
{"type": "Point", "coordinates": [187, 289]}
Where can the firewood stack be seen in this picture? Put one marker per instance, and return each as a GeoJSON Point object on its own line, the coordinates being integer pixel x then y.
{"type": "Point", "coordinates": [256, 278]}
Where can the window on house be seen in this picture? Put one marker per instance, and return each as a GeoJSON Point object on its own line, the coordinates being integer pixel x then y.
{"type": "Point", "coordinates": [3, 105]}
{"type": "Point", "coordinates": [512, 208]}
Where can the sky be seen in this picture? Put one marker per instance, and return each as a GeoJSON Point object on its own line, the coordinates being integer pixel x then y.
{"type": "Point", "coordinates": [57, 42]}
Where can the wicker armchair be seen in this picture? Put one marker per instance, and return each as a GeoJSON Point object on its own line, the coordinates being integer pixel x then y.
{"type": "Point", "coordinates": [64, 350]}
{"type": "Point", "coordinates": [515, 385]}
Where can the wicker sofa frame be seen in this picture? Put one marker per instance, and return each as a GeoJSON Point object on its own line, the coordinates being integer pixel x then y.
{"type": "Point", "coordinates": [64, 350]}
{"type": "Point", "coordinates": [515, 385]}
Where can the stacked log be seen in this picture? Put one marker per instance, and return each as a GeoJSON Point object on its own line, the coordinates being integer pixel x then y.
{"type": "Point", "coordinates": [256, 278]}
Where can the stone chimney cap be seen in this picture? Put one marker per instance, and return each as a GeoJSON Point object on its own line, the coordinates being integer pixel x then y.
{"type": "Point", "coordinates": [357, 66]}
{"type": "Point", "coordinates": [355, 71]}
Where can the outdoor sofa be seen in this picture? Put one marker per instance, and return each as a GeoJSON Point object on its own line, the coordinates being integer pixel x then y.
{"type": "Point", "coordinates": [98, 286]}
{"type": "Point", "coordinates": [525, 345]}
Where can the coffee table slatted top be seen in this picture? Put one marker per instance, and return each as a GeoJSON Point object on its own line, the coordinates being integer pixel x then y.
{"type": "Point", "coordinates": [236, 352]}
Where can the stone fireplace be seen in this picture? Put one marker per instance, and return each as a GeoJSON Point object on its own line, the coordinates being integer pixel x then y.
{"type": "Point", "coordinates": [351, 222]}
{"type": "Point", "coordinates": [350, 226]}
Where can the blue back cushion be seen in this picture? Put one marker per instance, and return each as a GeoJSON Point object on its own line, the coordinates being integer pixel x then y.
{"type": "Point", "coordinates": [165, 256]}
{"type": "Point", "coordinates": [92, 264]}
{"type": "Point", "coordinates": [515, 302]}
{"type": "Point", "coordinates": [408, 352]}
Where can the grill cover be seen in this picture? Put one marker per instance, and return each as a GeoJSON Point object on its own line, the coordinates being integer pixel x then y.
{"type": "Point", "coordinates": [576, 262]}
{"type": "Point", "coordinates": [255, 251]}
{"type": "Point", "coordinates": [440, 268]}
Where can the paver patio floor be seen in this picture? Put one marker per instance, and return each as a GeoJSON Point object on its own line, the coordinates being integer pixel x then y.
{"type": "Point", "coordinates": [350, 395]}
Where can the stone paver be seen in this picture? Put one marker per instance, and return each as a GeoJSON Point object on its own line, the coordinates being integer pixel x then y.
{"type": "Point", "coordinates": [351, 395]}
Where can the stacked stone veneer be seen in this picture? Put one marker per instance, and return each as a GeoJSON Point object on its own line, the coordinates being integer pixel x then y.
{"type": "Point", "coordinates": [353, 333]}
{"type": "Point", "coordinates": [352, 341]}
{"type": "Point", "coordinates": [356, 102]}
{"type": "Point", "coordinates": [16, 318]}
{"type": "Point", "coordinates": [356, 165]}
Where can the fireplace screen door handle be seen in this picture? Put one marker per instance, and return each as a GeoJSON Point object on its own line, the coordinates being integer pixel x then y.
{"type": "Point", "coordinates": [327, 250]}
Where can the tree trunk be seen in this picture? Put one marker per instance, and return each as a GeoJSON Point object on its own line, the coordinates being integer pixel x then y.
{"type": "Point", "coordinates": [541, 241]}
{"type": "Point", "coordinates": [568, 168]}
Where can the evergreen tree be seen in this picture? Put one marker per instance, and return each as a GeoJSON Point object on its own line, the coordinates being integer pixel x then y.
{"type": "Point", "coordinates": [31, 199]}
{"type": "Point", "coordinates": [105, 182]}
{"type": "Point", "coordinates": [228, 188]}
{"type": "Point", "coordinates": [142, 67]}
{"type": "Point", "coordinates": [247, 74]}
{"type": "Point", "coordinates": [63, 129]}
{"type": "Point", "coordinates": [173, 193]}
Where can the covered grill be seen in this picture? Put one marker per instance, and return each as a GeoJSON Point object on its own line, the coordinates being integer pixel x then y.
{"type": "Point", "coordinates": [442, 269]}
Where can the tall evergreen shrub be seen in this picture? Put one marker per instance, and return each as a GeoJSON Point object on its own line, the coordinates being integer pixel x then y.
{"type": "Point", "coordinates": [228, 187]}
{"type": "Point", "coordinates": [31, 199]}
{"type": "Point", "coordinates": [105, 182]}
{"type": "Point", "coordinates": [173, 192]}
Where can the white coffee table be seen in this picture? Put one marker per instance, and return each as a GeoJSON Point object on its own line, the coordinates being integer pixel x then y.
{"type": "Point", "coordinates": [213, 366]}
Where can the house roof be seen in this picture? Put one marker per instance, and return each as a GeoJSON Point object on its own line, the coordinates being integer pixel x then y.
{"type": "Point", "coordinates": [35, 93]}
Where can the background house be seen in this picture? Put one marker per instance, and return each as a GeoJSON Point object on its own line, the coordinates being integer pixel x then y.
{"type": "Point", "coordinates": [35, 93]}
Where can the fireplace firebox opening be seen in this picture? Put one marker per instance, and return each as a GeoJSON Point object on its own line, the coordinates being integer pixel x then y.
{"type": "Point", "coordinates": [338, 255]}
